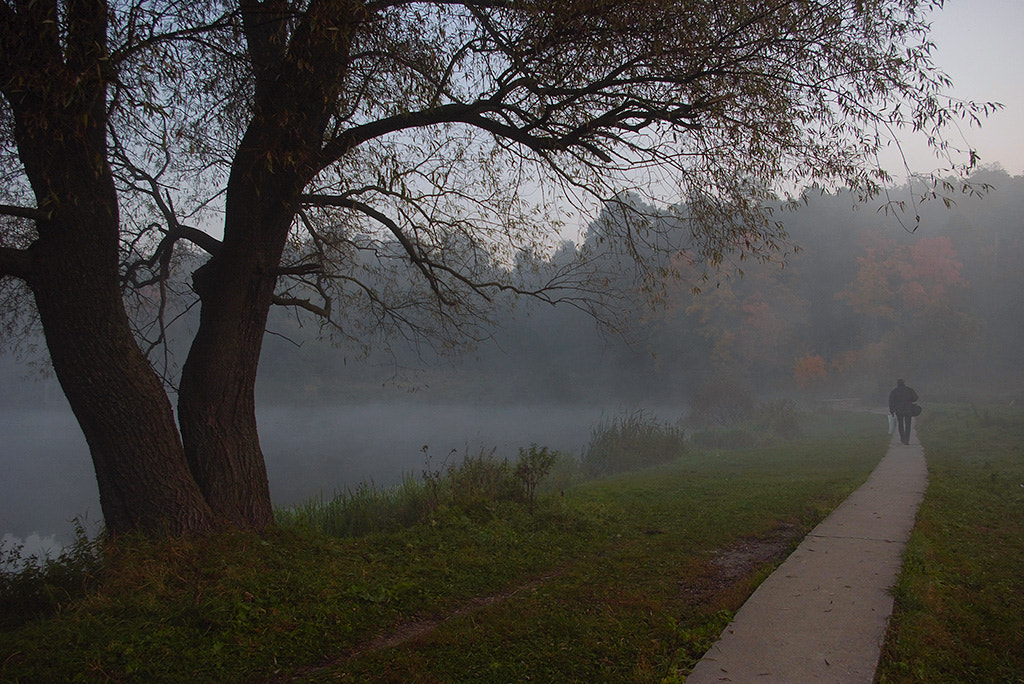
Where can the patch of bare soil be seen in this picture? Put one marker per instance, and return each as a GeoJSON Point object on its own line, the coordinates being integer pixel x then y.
{"type": "Point", "coordinates": [422, 626]}
{"type": "Point", "coordinates": [739, 561]}
{"type": "Point", "coordinates": [416, 627]}
{"type": "Point", "coordinates": [731, 564]}
{"type": "Point", "coordinates": [746, 555]}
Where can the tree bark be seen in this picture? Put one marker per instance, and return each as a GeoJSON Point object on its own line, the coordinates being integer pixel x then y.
{"type": "Point", "coordinates": [217, 393]}
{"type": "Point", "coordinates": [295, 87]}
{"type": "Point", "coordinates": [58, 101]}
{"type": "Point", "coordinates": [144, 481]}
{"type": "Point", "coordinates": [216, 400]}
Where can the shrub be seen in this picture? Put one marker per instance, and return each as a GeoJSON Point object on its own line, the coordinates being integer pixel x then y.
{"type": "Point", "coordinates": [532, 466]}
{"type": "Point", "coordinates": [631, 443]}
{"type": "Point", "coordinates": [478, 481]}
{"type": "Point", "coordinates": [362, 510]}
{"type": "Point", "coordinates": [565, 472]}
{"type": "Point", "coordinates": [470, 487]}
{"type": "Point", "coordinates": [781, 418]}
{"type": "Point", "coordinates": [720, 402]}
{"type": "Point", "coordinates": [32, 587]}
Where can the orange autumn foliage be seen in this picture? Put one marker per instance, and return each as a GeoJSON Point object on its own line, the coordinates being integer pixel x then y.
{"type": "Point", "coordinates": [809, 368]}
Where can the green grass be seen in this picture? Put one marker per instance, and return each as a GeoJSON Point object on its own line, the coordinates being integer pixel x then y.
{"type": "Point", "coordinates": [959, 613]}
{"type": "Point", "coordinates": [610, 582]}
{"type": "Point", "coordinates": [475, 485]}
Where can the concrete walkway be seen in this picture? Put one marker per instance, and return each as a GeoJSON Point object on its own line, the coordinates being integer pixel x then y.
{"type": "Point", "coordinates": [821, 616]}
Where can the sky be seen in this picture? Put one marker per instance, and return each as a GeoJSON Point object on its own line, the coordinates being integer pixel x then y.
{"type": "Point", "coordinates": [980, 44]}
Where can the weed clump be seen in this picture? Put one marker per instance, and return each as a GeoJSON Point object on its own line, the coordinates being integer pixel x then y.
{"type": "Point", "coordinates": [631, 442]}
{"type": "Point", "coordinates": [32, 587]}
{"type": "Point", "coordinates": [475, 486]}
{"type": "Point", "coordinates": [531, 468]}
{"type": "Point", "coordinates": [780, 418]}
{"type": "Point", "coordinates": [482, 486]}
{"type": "Point", "coordinates": [362, 510]}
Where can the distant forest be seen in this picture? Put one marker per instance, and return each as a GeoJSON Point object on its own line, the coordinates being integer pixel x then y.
{"type": "Point", "coordinates": [859, 300]}
{"type": "Point", "coordinates": [863, 298]}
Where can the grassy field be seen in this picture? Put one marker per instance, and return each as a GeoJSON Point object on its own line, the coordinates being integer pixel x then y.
{"type": "Point", "coordinates": [623, 579]}
{"type": "Point", "coordinates": [959, 613]}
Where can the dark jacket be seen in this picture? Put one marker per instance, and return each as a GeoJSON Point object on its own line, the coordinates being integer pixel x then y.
{"type": "Point", "coordinates": [901, 399]}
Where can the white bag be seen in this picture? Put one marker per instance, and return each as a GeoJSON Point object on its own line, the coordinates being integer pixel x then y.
{"type": "Point", "coordinates": [892, 423]}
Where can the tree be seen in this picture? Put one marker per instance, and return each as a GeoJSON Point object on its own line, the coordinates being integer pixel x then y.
{"type": "Point", "coordinates": [906, 279]}
{"type": "Point", "coordinates": [808, 369]}
{"type": "Point", "coordinates": [873, 293]}
{"type": "Point", "coordinates": [376, 164]}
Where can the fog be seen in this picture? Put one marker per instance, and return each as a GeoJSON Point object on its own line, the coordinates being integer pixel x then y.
{"type": "Point", "coordinates": [310, 450]}
{"type": "Point", "coordinates": [314, 450]}
{"type": "Point", "coordinates": [47, 475]}
{"type": "Point", "coordinates": [864, 301]}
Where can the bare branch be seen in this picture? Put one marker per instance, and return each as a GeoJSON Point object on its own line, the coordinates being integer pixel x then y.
{"type": "Point", "coordinates": [186, 34]}
{"type": "Point", "coordinates": [321, 311]}
{"type": "Point", "coordinates": [199, 238]}
{"type": "Point", "coordinates": [422, 263]}
{"type": "Point", "coordinates": [298, 269]}
{"type": "Point", "coordinates": [25, 212]}
{"type": "Point", "coordinates": [175, 229]}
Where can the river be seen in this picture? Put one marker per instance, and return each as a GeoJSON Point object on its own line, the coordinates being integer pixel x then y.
{"type": "Point", "coordinates": [47, 477]}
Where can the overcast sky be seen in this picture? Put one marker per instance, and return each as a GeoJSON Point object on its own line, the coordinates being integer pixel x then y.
{"type": "Point", "coordinates": [980, 44]}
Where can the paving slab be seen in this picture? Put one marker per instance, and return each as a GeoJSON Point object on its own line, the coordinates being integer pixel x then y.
{"type": "Point", "coordinates": [821, 616]}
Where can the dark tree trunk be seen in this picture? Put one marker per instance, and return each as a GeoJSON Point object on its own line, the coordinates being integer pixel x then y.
{"type": "Point", "coordinates": [56, 87]}
{"type": "Point", "coordinates": [54, 74]}
{"type": "Point", "coordinates": [144, 481]}
{"type": "Point", "coordinates": [216, 401]}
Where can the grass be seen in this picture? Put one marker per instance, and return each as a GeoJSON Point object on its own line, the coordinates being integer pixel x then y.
{"type": "Point", "coordinates": [611, 581]}
{"type": "Point", "coordinates": [959, 613]}
{"type": "Point", "coordinates": [476, 485]}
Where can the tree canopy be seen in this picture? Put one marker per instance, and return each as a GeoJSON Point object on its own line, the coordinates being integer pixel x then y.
{"type": "Point", "coordinates": [381, 165]}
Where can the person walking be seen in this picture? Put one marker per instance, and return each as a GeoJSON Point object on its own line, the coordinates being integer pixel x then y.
{"type": "Point", "coordinates": [901, 404]}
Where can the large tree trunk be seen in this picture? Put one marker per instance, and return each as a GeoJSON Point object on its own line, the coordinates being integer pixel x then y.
{"type": "Point", "coordinates": [144, 481]}
{"type": "Point", "coordinates": [56, 86]}
{"type": "Point", "coordinates": [216, 400]}
{"type": "Point", "coordinates": [294, 92]}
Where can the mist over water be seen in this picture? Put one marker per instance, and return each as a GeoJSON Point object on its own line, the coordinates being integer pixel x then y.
{"type": "Point", "coordinates": [324, 448]}
{"type": "Point", "coordinates": [48, 479]}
